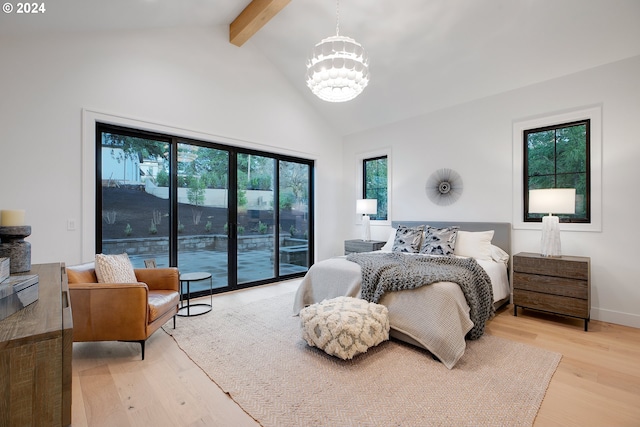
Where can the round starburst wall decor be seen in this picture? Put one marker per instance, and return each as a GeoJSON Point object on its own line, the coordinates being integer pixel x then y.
{"type": "Point", "coordinates": [444, 187]}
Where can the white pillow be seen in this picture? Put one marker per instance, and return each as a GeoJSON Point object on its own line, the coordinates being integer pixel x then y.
{"type": "Point", "coordinates": [474, 244]}
{"type": "Point", "coordinates": [114, 269]}
{"type": "Point", "coordinates": [498, 255]}
{"type": "Point", "coordinates": [388, 247]}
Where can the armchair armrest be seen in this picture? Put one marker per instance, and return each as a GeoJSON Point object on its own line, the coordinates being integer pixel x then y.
{"type": "Point", "coordinates": [159, 278]}
{"type": "Point", "coordinates": [109, 311]}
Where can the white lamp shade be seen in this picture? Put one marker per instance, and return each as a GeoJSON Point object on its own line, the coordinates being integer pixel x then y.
{"type": "Point", "coordinates": [553, 200]}
{"type": "Point", "coordinates": [366, 206]}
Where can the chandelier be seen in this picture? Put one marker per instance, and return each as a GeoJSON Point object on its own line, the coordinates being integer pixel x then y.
{"type": "Point", "coordinates": [338, 69]}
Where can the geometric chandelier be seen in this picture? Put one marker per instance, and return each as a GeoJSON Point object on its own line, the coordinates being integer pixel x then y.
{"type": "Point", "coordinates": [338, 69]}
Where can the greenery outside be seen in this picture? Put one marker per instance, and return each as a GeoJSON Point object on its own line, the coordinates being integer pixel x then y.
{"type": "Point", "coordinates": [203, 168]}
{"type": "Point", "coordinates": [375, 184]}
{"type": "Point", "coordinates": [557, 157]}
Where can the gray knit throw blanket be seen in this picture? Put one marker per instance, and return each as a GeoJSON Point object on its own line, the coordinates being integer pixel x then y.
{"type": "Point", "coordinates": [382, 272]}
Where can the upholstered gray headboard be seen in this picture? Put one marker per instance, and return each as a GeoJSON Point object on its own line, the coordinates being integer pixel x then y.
{"type": "Point", "coordinates": [501, 236]}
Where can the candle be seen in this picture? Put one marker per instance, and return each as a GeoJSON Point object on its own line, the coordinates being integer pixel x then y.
{"type": "Point", "coordinates": [12, 218]}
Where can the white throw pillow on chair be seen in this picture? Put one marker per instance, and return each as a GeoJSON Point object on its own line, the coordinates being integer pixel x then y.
{"type": "Point", "coordinates": [114, 269]}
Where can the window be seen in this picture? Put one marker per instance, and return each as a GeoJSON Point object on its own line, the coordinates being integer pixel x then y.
{"type": "Point", "coordinates": [558, 157]}
{"type": "Point", "coordinates": [243, 215]}
{"type": "Point", "coordinates": [374, 186]}
{"type": "Point", "coordinates": [593, 163]}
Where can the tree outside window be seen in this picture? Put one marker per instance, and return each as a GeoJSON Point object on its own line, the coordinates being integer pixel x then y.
{"type": "Point", "coordinates": [375, 184]}
{"type": "Point", "coordinates": [558, 157]}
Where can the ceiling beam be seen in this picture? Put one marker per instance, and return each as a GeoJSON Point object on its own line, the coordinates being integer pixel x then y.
{"type": "Point", "coordinates": [252, 18]}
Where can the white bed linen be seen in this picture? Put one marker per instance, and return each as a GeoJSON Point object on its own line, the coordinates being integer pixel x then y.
{"type": "Point", "coordinates": [497, 272]}
{"type": "Point", "coordinates": [434, 317]}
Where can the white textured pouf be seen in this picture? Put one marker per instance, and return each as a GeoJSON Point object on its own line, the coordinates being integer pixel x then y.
{"type": "Point", "coordinates": [345, 326]}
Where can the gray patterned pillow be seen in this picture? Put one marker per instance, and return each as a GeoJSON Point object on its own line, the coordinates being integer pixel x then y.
{"type": "Point", "coordinates": [408, 239]}
{"type": "Point", "coordinates": [439, 241]}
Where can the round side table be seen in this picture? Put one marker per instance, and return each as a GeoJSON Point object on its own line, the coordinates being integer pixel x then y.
{"type": "Point", "coordinates": [188, 309]}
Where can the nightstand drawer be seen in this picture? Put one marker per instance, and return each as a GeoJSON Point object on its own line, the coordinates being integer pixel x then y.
{"type": "Point", "coordinates": [572, 267]}
{"type": "Point", "coordinates": [552, 303]}
{"type": "Point", "coordinates": [551, 285]}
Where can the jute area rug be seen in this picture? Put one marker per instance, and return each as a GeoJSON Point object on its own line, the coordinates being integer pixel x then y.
{"type": "Point", "coordinates": [255, 353]}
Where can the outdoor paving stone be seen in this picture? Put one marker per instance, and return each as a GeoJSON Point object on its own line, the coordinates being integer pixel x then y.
{"type": "Point", "coordinates": [252, 266]}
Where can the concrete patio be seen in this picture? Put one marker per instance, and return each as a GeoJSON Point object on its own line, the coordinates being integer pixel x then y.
{"type": "Point", "coordinates": [252, 266]}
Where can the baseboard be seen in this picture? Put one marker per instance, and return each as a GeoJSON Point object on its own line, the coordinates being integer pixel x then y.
{"type": "Point", "coordinates": [617, 317]}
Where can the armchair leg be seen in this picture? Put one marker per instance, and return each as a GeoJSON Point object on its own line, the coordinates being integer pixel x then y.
{"type": "Point", "coordinates": [174, 321]}
{"type": "Point", "coordinates": [142, 347]}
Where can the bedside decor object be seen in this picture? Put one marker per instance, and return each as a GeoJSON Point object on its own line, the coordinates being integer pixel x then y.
{"type": "Point", "coordinates": [338, 69]}
{"type": "Point", "coordinates": [366, 207]}
{"type": "Point", "coordinates": [558, 285]}
{"type": "Point", "coordinates": [552, 200]}
{"type": "Point", "coordinates": [444, 187]}
{"type": "Point", "coordinates": [15, 248]}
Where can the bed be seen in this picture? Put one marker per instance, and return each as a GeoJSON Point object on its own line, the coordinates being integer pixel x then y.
{"type": "Point", "coordinates": [434, 317]}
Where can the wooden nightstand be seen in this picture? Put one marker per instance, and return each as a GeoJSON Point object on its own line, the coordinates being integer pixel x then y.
{"type": "Point", "coordinates": [559, 285]}
{"type": "Point", "coordinates": [359, 245]}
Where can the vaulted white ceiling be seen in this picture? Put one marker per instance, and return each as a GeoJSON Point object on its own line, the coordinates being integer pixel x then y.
{"type": "Point", "coordinates": [425, 54]}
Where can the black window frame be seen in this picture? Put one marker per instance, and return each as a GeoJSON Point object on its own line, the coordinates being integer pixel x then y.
{"type": "Point", "coordinates": [564, 218]}
{"type": "Point", "coordinates": [173, 140]}
{"type": "Point", "coordinates": [377, 216]}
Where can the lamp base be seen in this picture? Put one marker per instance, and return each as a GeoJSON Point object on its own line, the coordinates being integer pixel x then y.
{"type": "Point", "coordinates": [366, 228]}
{"type": "Point", "coordinates": [550, 242]}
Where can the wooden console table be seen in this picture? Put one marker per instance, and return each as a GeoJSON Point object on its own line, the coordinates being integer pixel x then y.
{"type": "Point", "coordinates": [35, 355]}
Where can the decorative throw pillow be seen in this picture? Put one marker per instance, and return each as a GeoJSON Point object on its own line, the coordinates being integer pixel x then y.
{"type": "Point", "coordinates": [114, 269]}
{"type": "Point", "coordinates": [408, 239]}
{"type": "Point", "coordinates": [474, 244]}
{"type": "Point", "coordinates": [439, 241]}
{"type": "Point", "coordinates": [344, 326]}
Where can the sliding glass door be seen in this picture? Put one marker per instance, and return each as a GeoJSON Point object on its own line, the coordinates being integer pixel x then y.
{"type": "Point", "coordinates": [294, 183]}
{"type": "Point", "coordinates": [132, 204]}
{"type": "Point", "coordinates": [244, 216]}
{"type": "Point", "coordinates": [203, 213]}
{"type": "Point", "coordinates": [256, 230]}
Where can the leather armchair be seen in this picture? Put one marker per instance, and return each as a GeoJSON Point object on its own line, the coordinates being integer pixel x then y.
{"type": "Point", "coordinates": [122, 311]}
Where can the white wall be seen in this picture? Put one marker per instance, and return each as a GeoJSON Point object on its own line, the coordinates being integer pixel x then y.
{"type": "Point", "coordinates": [475, 139]}
{"type": "Point", "coordinates": [191, 81]}
{"type": "Point", "coordinates": [194, 80]}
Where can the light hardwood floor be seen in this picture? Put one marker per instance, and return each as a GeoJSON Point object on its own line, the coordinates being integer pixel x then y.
{"type": "Point", "coordinates": [596, 384]}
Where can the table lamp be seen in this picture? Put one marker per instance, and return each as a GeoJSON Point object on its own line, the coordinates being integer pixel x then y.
{"type": "Point", "coordinates": [552, 200]}
{"type": "Point", "coordinates": [366, 207]}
